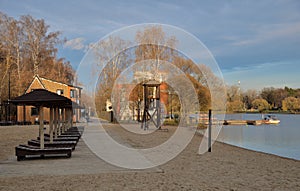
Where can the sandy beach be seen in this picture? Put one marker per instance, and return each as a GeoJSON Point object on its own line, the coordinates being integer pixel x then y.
{"type": "Point", "coordinates": [225, 168]}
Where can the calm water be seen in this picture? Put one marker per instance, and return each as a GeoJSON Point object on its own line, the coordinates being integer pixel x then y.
{"type": "Point", "coordinates": [282, 139]}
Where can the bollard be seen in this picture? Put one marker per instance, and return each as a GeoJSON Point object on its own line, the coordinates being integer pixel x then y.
{"type": "Point", "coordinates": [209, 130]}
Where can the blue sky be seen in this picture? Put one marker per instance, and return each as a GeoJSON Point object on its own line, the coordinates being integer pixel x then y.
{"type": "Point", "coordinates": [254, 42]}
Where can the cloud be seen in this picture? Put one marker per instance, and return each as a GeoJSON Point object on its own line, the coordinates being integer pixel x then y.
{"type": "Point", "coordinates": [271, 32]}
{"type": "Point", "coordinates": [75, 44]}
{"type": "Point", "coordinates": [270, 74]}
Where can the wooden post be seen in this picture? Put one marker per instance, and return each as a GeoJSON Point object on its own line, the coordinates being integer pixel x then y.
{"type": "Point", "coordinates": [41, 128]}
{"type": "Point", "coordinates": [51, 124]}
{"type": "Point", "coordinates": [58, 122]}
{"type": "Point", "coordinates": [67, 118]}
{"type": "Point", "coordinates": [71, 117]}
{"type": "Point", "coordinates": [24, 115]}
{"type": "Point", "coordinates": [209, 130]}
{"type": "Point", "coordinates": [63, 124]}
{"type": "Point", "coordinates": [55, 121]}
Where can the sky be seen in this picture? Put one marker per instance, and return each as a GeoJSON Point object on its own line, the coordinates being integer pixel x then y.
{"type": "Point", "coordinates": [256, 43]}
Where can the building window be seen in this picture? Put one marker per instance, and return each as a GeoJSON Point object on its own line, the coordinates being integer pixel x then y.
{"type": "Point", "coordinates": [60, 92]}
{"type": "Point", "coordinates": [34, 111]}
{"type": "Point", "coordinates": [73, 93]}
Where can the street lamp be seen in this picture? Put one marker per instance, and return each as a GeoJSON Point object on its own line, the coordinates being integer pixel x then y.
{"type": "Point", "coordinates": [8, 95]}
{"type": "Point", "coordinates": [139, 109]}
{"type": "Point", "coordinates": [171, 116]}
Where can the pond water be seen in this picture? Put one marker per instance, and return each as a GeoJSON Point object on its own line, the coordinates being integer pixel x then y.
{"type": "Point", "coordinates": [282, 139]}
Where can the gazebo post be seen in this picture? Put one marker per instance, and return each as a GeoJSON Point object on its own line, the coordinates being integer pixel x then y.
{"type": "Point", "coordinates": [41, 128]}
{"type": "Point", "coordinates": [65, 119]}
{"type": "Point", "coordinates": [58, 123]}
{"type": "Point", "coordinates": [51, 124]}
{"type": "Point", "coordinates": [71, 117]}
{"type": "Point", "coordinates": [68, 118]}
{"type": "Point", "coordinates": [63, 124]}
{"type": "Point", "coordinates": [24, 114]}
{"type": "Point", "coordinates": [55, 121]}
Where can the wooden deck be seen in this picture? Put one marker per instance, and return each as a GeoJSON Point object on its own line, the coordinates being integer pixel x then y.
{"type": "Point", "coordinates": [243, 122]}
{"type": "Point", "coordinates": [235, 122]}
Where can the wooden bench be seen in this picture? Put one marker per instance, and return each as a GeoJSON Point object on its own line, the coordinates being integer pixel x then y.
{"type": "Point", "coordinates": [74, 133]}
{"type": "Point", "coordinates": [61, 139]}
{"type": "Point", "coordinates": [23, 151]}
{"type": "Point", "coordinates": [55, 144]}
{"type": "Point", "coordinates": [76, 129]}
{"type": "Point", "coordinates": [64, 135]}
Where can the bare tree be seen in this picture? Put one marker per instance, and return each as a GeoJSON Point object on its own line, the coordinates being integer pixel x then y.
{"type": "Point", "coordinates": [40, 43]}
{"type": "Point", "coordinates": [155, 45]}
{"type": "Point", "coordinates": [11, 44]}
{"type": "Point", "coordinates": [112, 57]}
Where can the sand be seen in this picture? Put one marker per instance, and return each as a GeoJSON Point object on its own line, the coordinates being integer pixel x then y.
{"type": "Point", "coordinates": [225, 168]}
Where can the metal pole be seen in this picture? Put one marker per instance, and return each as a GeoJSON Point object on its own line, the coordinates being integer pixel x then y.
{"type": "Point", "coordinates": [139, 103]}
{"type": "Point", "coordinates": [111, 116]}
{"type": "Point", "coordinates": [171, 108]}
{"type": "Point", "coordinates": [158, 107]}
{"type": "Point", "coordinates": [209, 130]}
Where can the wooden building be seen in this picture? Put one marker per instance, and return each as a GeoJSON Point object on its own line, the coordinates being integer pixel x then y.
{"type": "Point", "coordinates": [31, 113]}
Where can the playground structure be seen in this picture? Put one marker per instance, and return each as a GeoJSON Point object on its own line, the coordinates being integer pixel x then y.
{"type": "Point", "coordinates": [152, 108]}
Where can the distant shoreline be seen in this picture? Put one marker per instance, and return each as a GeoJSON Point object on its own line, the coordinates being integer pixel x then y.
{"type": "Point", "coordinates": [266, 112]}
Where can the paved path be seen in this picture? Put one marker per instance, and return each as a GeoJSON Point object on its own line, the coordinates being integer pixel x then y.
{"type": "Point", "coordinates": [83, 161]}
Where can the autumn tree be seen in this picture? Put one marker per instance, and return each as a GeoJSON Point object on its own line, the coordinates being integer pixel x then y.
{"type": "Point", "coordinates": [269, 95]}
{"type": "Point", "coordinates": [248, 97]}
{"type": "Point", "coordinates": [204, 76]}
{"type": "Point", "coordinates": [234, 98]}
{"type": "Point", "coordinates": [27, 48]}
{"type": "Point", "coordinates": [279, 95]}
{"type": "Point", "coordinates": [11, 43]}
{"type": "Point", "coordinates": [291, 104]}
{"type": "Point", "coordinates": [203, 94]}
{"type": "Point", "coordinates": [156, 45]}
{"type": "Point", "coordinates": [260, 104]}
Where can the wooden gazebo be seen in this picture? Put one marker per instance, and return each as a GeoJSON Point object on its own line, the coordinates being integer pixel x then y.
{"type": "Point", "coordinates": [41, 98]}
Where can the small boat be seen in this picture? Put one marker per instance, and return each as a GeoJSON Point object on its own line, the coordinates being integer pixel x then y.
{"type": "Point", "coordinates": [271, 119]}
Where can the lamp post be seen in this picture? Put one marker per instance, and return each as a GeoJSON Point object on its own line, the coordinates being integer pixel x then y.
{"type": "Point", "coordinates": [8, 96]}
{"type": "Point", "coordinates": [139, 109]}
{"type": "Point", "coordinates": [171, 116]}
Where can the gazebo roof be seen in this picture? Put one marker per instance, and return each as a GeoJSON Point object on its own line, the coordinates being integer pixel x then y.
{"type": "Point", "coordinates": [42, 97]}
{"type": "Point", "coordinates": [152, 83]}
